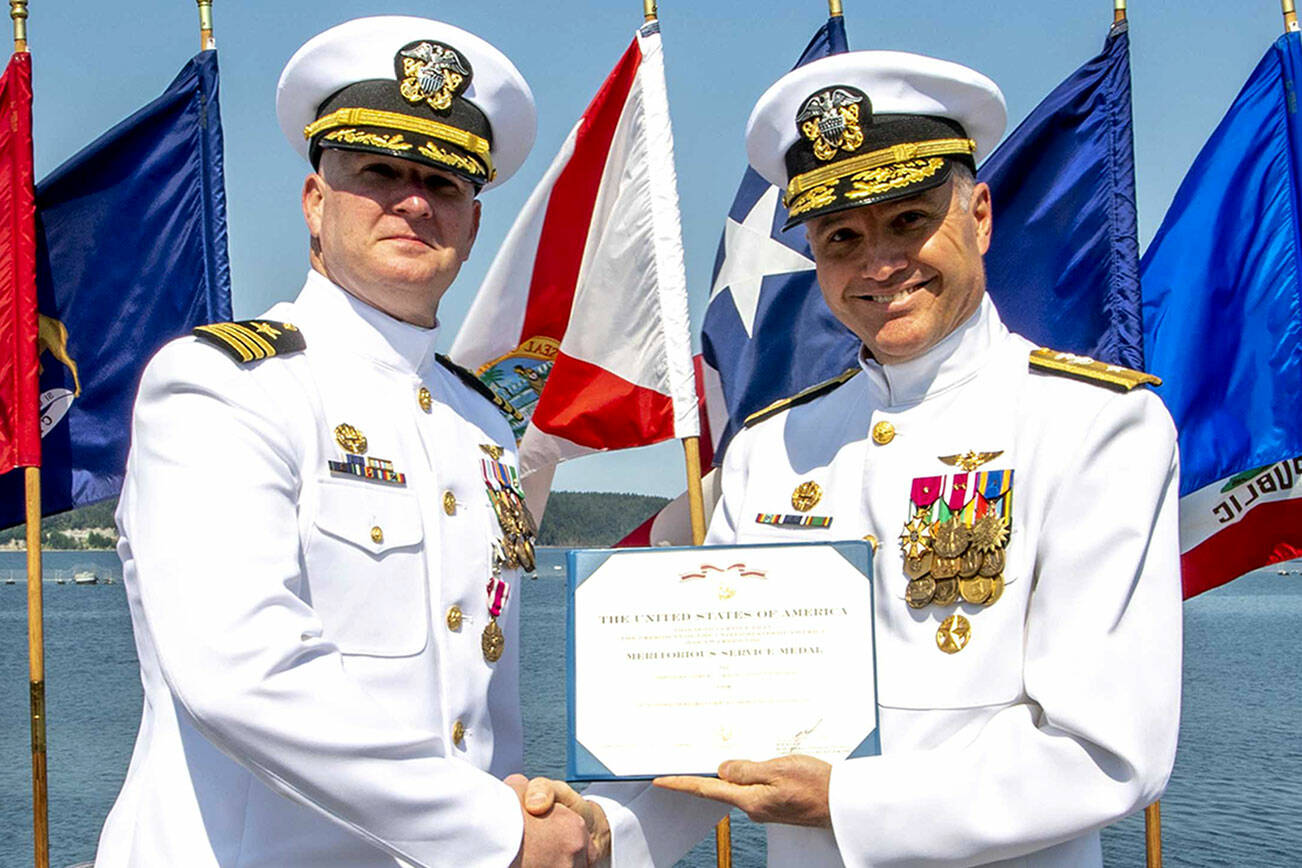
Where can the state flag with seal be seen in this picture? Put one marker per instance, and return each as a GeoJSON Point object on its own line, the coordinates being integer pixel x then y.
{"type": "Point", "coordinates": [581, 325]}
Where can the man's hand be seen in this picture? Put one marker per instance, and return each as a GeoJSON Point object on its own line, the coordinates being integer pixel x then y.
{"type": "Point", "coordinates": [789, 789]}
{"type": "Point", "coordinates": [553, 838]}
{"type": "Point", "coordinates": [542, 793]}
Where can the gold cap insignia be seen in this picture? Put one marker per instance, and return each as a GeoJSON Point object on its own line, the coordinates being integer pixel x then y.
{"type": "Point", "coordinates": [431, 72]}
{"type": "Point", "coordinates": [830, 119]}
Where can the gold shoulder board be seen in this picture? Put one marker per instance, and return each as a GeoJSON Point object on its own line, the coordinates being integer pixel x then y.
{"type": "Point", "coordinates": [1090, 370]}
{"type": "Point", "coordinates": [800, 397]}
{"type": "Point", "coordinates": [251, 340]}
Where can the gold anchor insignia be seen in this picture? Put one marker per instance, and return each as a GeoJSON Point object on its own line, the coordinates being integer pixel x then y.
{"type": "Point", "coordinates": [350, 439]}
{"type": "Point", "coordinates": [806, 496]}
{"type": "Point", "coordinates": [970, 460]}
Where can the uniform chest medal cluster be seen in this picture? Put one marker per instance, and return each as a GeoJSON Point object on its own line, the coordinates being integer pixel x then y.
{"type": "Point", "coordinates": [954, 541]}
{"type": "Point", "coordinates": [515, 548]}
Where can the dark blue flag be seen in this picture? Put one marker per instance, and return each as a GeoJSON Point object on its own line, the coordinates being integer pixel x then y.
{"type": "Point", "coordinates": [1223, 329]}
{"type": "Point", "coordinates": [767, 332]}
{"type": "Point", "coordinates": [131, 236]}
{"type": "Point", "coordinates": [1063, 266]}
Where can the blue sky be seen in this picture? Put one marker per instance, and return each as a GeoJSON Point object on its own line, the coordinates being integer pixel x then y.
{"type": "Point", "coordinates": [96, 63]}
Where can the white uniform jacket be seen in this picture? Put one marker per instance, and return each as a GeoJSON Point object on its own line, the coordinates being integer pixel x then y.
{"type": "Point", "coordinates": [1060, 714]}
{"type": "Point", "coordinates": [304, 685]}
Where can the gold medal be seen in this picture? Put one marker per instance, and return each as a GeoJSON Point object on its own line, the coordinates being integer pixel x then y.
{"type": "Point", "coordinates": [990, 532]}
{"type": "Point", "coordinates": [916, 536]}
{"type": "Point", "coordinates": [920, 592]}
{"type": "Point", "coordinates": [945, 568]}
{"type": "Point", "coordinates": [951, 538]}
{"type": "Point", "coordinates": [524, 554]}
{"type": "Point", "coordinates": [946, 592]}
{"type": "Point", "coordinates": [492, 642]}
{"type": "Point", "coordinates": [992, 563]}
{"type": "Point", "coordinates": [975, 591]}
{"type": "Point", "coordinates": [970, 563]}
{"type": "Point", "coordinates": [954, 634]}
{"type": "Point", "coordinates": [997, 590]}
{"type": "Point", "coordinates": [510, 557]}
{"type": "Point", "coordinates": [916, 568]}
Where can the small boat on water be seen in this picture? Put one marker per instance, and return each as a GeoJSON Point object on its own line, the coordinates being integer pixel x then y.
{"type": "Point", "coordinates": [85, 577]}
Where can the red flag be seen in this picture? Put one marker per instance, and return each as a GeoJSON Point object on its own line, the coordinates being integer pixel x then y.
{"type": "Point", "coordinates": [20, 433]}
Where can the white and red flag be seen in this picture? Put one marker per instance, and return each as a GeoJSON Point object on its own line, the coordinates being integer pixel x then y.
{"type": "Point", "coordinates": [581, 325]}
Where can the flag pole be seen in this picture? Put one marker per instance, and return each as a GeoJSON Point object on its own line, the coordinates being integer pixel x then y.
{"type": "Point", "coordinates": [206, 42]}
{"type": "Point", "coordinates": [35, 603]}
{"type": "Point", "coordinates": [834, 9]}
{"type": "Point", "coordinates": [1290, 16]}
{"type": "Point", "coordinates": [1118, 11]}
{"type": "Point", "coordinates": [696, 510]}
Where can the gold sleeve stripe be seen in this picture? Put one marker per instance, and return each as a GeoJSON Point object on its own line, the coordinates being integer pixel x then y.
{"type": "Point", "coordinates": [873, 159]}
{"type": "Point", "coordinates": [364, 117]}
{"type": "Point", "coordinates": [1090, 369]}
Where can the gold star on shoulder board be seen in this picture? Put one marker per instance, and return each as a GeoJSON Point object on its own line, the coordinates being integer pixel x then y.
{"type": "Point", "coordinates": [970, 460]}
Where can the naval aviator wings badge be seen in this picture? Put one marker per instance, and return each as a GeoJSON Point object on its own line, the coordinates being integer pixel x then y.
{"type": "Point", "coordinates": [954, 539]}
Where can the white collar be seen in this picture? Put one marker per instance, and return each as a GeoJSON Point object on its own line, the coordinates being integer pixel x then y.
{"type": "Point", "coordinates": [337, 316]}
{"type": "Point", "coordinates": [954, 360]}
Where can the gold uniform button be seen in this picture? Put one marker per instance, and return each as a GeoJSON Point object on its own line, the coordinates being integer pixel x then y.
{"type": "Point", "coordinates": [449, 503]}
{"type": "Point", "coordinates": [872, 540]}
{"type": "Point", "coordinates": [458, 733]}
{"type": "Point", "coordinates": [425, 398]}
{"type": "Point", "coordinates": [454, 618]}
{"type": "Point", "coordinates": [883, 433]}
{"type": "Point", "coordinates": [377, 535]}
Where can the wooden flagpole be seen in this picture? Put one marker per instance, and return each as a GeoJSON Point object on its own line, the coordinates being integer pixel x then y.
{"type": "Point", "coordinates": [206, 42]}
{"type": "Point", "coordinates": [1290, 16]}
{"type": "Point", "coordinates": [1152, 813]}
{"type": "Point", "coordinates": [35, 602]}
{"type": "Point", "coordinates": [696, 510]}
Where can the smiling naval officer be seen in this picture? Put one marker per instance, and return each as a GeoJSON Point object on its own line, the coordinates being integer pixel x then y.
{"type": "Point", "coordinates": [1022, 503]}
{"type": "Point", "coordinates": [321, 523]}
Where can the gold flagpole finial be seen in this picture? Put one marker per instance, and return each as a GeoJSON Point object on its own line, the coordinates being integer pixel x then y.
{"type": "Point", "coordinates": [1290, 16]}
{"type": "Point", "coordinates": [649, 10]}
{"type": "Point", "coordinates": [834, 8]}
{"type": "Point", "coordinates": [18, 12]}
{"type": "Point", "coordinates": [1118, 10]}
{"type": "Point", "coordinates": [206, 42]}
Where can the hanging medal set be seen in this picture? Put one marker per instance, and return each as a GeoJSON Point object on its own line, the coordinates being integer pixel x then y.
{"type": "Point", "coordinates": [515, 548]}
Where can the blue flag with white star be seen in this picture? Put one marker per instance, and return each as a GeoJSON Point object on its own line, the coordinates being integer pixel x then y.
{"type": "Point", "coordinates": [131, 252]}
{"type": "Point", "coordinates": [767, 332]}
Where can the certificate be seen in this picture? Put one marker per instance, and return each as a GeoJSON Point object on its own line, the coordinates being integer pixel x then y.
{"type": "Point", "coordinates": [681, 658]}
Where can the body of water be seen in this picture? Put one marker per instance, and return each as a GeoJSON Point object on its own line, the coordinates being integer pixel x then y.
{"type": "Point", "coordinates": [1235, 797]}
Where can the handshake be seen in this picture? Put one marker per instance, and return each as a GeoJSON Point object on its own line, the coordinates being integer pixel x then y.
{"type": "Point", "coordinates": [561, 828]}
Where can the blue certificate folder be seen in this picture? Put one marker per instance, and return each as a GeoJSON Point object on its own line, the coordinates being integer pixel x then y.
{"type": "Point", "coordinates": [852, 560]}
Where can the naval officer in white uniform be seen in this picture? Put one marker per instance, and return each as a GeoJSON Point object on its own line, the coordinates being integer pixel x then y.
{"type": "Point", "coordinates": [320, 522]}
{"type": "Point", "coordinates": [1022, 503]}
